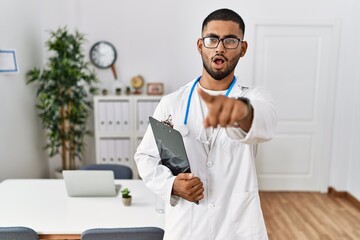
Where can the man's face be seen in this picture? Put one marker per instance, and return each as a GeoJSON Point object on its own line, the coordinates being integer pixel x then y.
{"type": "Point", "coordinates": [219, 62]}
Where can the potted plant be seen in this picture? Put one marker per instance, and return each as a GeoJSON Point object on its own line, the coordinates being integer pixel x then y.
{"type": "Point", "coordinates": [126, 197]}
{"type": "Point", "coordinates": [65, 85]}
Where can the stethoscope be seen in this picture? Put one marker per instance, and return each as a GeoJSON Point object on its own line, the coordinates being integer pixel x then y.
{"type": "Point", "coordinates": [184, 129]}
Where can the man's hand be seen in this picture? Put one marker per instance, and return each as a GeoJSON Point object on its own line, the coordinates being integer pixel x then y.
{"type": "Point", "coordinates": [188, 187]}
{"type": "Point", "coordinates": [225, 111]}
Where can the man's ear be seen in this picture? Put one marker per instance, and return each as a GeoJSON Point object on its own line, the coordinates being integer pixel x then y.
{"type": "Point", "coordinates": [244, 47]}
{"type": "Point", "coordinates": [199, 45]}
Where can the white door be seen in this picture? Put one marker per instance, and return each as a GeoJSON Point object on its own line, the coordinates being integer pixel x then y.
{"type": "Point", "coordinates": [297, 63]}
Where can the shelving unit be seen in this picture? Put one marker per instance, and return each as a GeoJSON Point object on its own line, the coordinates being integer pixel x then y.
{"type": "Point", "coordinates": [120, 123]}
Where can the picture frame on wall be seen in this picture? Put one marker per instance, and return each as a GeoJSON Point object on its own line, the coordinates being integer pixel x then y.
{"type": "Point", "coordinates": [155, 88]}
{"type": "Point", "coordinates": [8, 61]}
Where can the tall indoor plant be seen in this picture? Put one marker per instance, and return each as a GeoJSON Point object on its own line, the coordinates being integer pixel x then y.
{"type": "Point", "coordinates": [64, 88]}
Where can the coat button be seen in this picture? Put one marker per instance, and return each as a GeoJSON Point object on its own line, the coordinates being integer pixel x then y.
{"type": "Point", "coordinates": [209, 164]}
{"type": "Point", "coordinates": [211, 206]}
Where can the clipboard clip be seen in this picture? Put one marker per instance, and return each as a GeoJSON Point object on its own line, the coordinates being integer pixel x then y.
{"type": "Point", "coordinates": [168, 121]}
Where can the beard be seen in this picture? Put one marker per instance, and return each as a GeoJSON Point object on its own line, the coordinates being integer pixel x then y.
{"type": "Point", "coordinates": [217, 74]}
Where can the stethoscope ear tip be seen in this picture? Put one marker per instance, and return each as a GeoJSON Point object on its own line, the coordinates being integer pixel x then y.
{"type": "Point", "coordinates": [207, 142]}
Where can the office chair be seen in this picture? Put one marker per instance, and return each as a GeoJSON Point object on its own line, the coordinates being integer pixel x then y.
{"type": "Point", "coordinates": [120, 171]}
{"type": "Point", "coordinates": [18, 233]}
{"type": "Point", "coordinates": [138, 233]}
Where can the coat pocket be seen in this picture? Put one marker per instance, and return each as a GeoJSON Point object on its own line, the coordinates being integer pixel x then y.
{"type": "Point", "coordinates": [246, 216]}
{"type": "Point", "coordinates": [228, 144]}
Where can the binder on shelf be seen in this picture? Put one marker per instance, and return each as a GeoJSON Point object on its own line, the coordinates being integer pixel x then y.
{"type": "Point", "coordinates": [118, 116]}
{"type": "Point", "coordinates": [126, 115]}
{"type": "Point", "coordinates": [111, 150]}
{"type": "Point", "coordinates": [149, 112]}
{"type": "Point", "coordinates": [126, 150]}
{"type": "Point", "coordinates": [102, 116]}
{"type": "Point", "coordinates": [110, 114]}
{"type": "Point", "coordinates": [140, 115]}
{"type": "Point", "coordinates": [119, 150]}
{"type": "Point", "coordinates": [103, 151]}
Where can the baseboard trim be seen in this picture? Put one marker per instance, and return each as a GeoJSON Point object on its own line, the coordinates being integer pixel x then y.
{"type": "Point", "coordinates": [332, 192]}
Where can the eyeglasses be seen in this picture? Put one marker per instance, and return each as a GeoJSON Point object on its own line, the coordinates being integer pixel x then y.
{"type": "Point", "coordinates": [228, 42]}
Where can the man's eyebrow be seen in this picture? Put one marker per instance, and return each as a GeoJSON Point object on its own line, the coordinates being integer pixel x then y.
{"type": "Point", "coordinates": [217, 36]}
{"type": "Point", "coordinates": [212, 35]}
{"type": "Point", "coordinates": [231, 36]}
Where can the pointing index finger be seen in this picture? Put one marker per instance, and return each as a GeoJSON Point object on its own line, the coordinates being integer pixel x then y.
{"type": "Point", "coordinates": [206, 97]}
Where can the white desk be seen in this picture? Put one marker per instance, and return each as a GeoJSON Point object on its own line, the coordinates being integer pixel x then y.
{"type": "Point", "coordinates": [43, 204]}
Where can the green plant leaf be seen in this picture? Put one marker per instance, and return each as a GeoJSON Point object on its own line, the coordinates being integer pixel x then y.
{"type": "Point", "coordinates": [63, 88]}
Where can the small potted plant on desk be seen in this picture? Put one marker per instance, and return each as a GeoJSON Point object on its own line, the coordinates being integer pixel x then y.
{"type": "Point", "coordinates": [126, 197]}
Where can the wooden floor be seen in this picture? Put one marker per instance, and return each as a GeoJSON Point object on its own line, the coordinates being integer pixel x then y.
{"type": "Point", "coordinates": [298, 215]}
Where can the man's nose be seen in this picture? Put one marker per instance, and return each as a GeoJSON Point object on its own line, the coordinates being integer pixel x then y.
{"type": "Point", "coordinates": [220, 47]}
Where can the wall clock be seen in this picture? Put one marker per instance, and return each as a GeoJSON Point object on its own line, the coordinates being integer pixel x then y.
{"type": "Point", "coordinates": [103, 55]}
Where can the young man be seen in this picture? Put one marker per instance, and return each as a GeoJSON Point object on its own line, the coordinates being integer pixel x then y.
{"type": "Point", "coordinates": [221, 122]}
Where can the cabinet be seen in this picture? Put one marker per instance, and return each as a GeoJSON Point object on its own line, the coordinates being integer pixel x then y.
{"type": "Point", "coordinates": [120, 123]}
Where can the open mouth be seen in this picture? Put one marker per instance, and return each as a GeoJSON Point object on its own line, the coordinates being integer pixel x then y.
{"type": "Point", "coordinates": [218, 61]}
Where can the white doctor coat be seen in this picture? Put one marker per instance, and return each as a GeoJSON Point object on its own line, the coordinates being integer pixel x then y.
{"type": "Point", "coordinates": [230, 208]}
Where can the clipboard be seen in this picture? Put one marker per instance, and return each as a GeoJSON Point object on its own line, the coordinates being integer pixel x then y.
{"type": "Point", "coordinates": [171, 147]}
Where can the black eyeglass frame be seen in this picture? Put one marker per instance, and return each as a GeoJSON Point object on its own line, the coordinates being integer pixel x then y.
{"type": "Point", "coordinates": [222, 40]}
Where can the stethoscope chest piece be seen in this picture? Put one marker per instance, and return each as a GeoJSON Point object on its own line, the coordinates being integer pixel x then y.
{"type": "Point", "coordinates": [183, 129]}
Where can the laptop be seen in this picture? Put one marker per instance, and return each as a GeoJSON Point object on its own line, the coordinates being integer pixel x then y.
{"type": "Point", "coordinates": [90, 183]}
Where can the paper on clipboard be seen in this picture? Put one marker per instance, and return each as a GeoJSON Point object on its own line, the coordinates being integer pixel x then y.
{"type": "Point", "coordinates": [171, 147]}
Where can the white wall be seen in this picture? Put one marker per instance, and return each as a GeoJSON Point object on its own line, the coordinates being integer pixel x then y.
{"type": "Point", "coordinates": [157, 40]}
{"type": "Point", "coordinates": [345, 164]}
{"type": "Point", "coordinates": [21, 137]}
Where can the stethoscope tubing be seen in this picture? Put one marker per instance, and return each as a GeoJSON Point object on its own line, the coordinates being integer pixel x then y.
{"type": "Point", "coordinates": [191, 93]}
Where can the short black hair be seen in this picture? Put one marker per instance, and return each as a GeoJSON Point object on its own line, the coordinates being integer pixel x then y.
{"type": "Point", "coordinates": [224, 14]}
